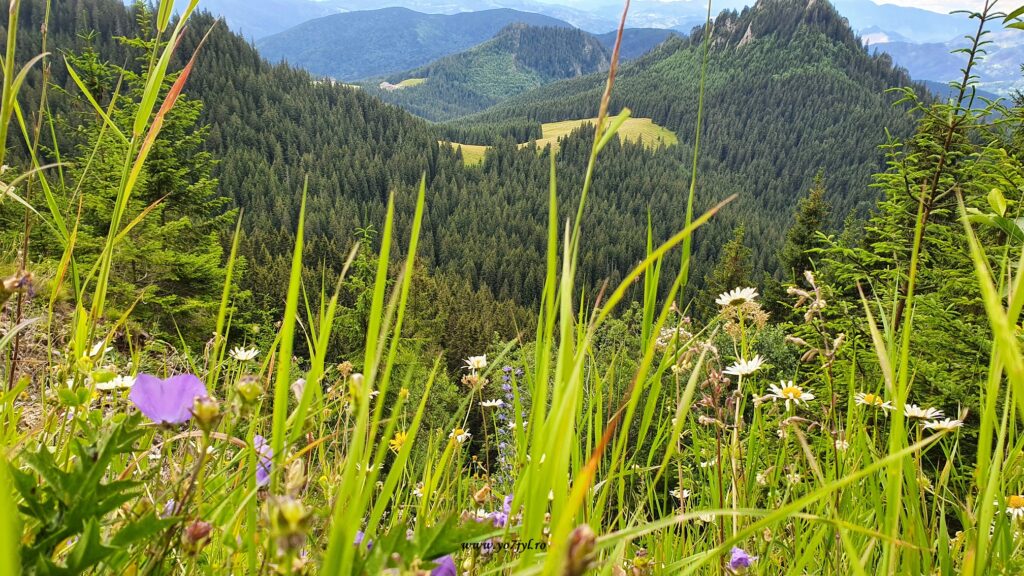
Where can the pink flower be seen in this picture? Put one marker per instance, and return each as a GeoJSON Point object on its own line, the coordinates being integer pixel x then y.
{"type": "Point", "coordinates": [167, 401]}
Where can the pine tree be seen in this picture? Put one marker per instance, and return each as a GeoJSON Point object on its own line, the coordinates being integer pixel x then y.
{"type": "Point", "coordinates": [733, 270]}
{"type": "Point", "coordinates": [811, 216]}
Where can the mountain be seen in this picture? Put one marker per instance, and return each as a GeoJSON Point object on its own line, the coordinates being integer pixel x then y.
{"type": "Point", "coordinates": [790, 91]}
{"type": "Point", "coordinates": [636, 41]}
{"type": "Point", "coordinates": [915, 24]}
{"type": "Point", "coordinates": [999, 70]}
{"type": "Point", "coordinates": [373, 43]}
{"type": "Point", "coordinates": [518, 59]}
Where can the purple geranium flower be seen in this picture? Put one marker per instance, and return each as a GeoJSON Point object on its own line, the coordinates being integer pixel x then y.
{"type": "Point", "coordinates": [445, 567]}
{"type": "Point", "coordinates": [740, 560]}
{"type": "Point", "coordinates": [266, 454]}
{"type": "Point", "coordinates": [167, 401]}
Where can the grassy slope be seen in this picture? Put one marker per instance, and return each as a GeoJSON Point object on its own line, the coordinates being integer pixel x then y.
{"type": "Point", "coordinates": [633, 130]}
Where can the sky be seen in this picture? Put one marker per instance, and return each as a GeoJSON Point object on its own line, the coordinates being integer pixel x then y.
{"type": "Point", "coordinates": [945, 5]}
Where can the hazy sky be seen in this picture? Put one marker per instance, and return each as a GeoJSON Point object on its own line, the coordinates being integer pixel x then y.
{"type": "Point", "coordinates": [947, 5]}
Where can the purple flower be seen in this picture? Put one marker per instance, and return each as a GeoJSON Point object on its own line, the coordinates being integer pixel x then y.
{"type": "Point", "coordinates": [359, 540]}
{"type": "Point", "coordinates": [445, 567]}
{"type": "Point", "coordinates": [266, 454]}
{"type": "Point", "coordinates": [167, 401]}
{"type": "Point", "coordinates": [740, 560]}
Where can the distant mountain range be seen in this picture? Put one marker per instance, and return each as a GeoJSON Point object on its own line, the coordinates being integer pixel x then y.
{"type": "Point", "coordinates": [364, 44]}
{"type": "Point", "coordinates": [518, 59]}
{"type": "Point", "coordinates": [999, 70]}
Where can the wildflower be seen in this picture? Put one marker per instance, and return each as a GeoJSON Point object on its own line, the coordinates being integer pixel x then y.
{"type": "Point", "coordinates": [739, 560]}
{"type": "Point", "coordinates": [289, 522]}
{"type": "Point", "coordinates": [298, 388]}
{"type": "Point", "coordinates": [745, 367]}
{"type": "Point", "coordinates": [790, 392]}
{"type": "Point", "coordinates": [915, 412]}
{"type": "Point", "coordinates": [249, 389]}
{"type": "Point", "coordinates": [266, 457]}
{"type": "Point", "coordinates": [709, 463]}
{"type": "Point", "coordinates": [872, 401]}
{"type": "Point", "coordinates": [444, 566]}
{"type": "Point", "coordinates": [197, 536]}
{"type": "Point", "coordinates": [460, 435]}
{"type": "Point", "coordinates": [168, 509]}
{"type": "Point", "coordinates": [944, 425]}
{"type": "Point", "coordinates": [793, 478]}
{"type": "Point", "coordinates": [116, 383]}
{"type": "Point", "coordinates": [167, 401]}
{"type": "Point", "coordinates": [1015, 507]}
{"type": "Point", "coordinates": [100, 348]}
{"type": "Point", "coordinates": [417, 491]}
{"type": "Point", "coordinates": [475, 363]}
{"type": "Point", "coordinates": [581, 550]}
{"type": "Point", "coordinates": [842, 445]}
{"type": "Point", "coordinates": [397, 442]}
{"type": "Point", "coordinates": [762, 478]}
{"type": "Point", "coordinates": [207, 412]}
{"type": "Point", "coordinates": [680, 494]}
{"type": "Point", "coordinates": [736, 296]}
{"type": "Point", "coordinates": [244, 354]}
{"type": "Point", "coordinates": [496, 403]}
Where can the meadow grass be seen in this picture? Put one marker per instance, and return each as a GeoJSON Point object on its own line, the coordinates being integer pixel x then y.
{"type": "Point", "coordinates": [670, 452]}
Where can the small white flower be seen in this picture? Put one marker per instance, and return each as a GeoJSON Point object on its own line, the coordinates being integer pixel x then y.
{"type": "Point", "coordinates": [116, 383]}
{"type": "Point", "coordinates": [244, 354]}
{"type": "Point", "coordinates": [842, 445]}
{"type": "Point", "coordinates": [708, 463]}
{"type": "Point", "coordinates": [736, 296]}
{"type": "Point", "coordinates": [872, 401]}
{"type": "Point", "coordinates": [680, 494]}
{"type": "Point", "coordinates": [418, 490]}
{"type": "Point", "coordinates": [496, 403]}
{"type": "Point", "coordinates": [706, 517]}
{"type": "Point", "coordinates": [475, 363]}
{"type": "Point", "coordinates": [944, 425]}
{"type": "Point", "coordinates": [762, 478]}
{"type": "Point", "coordinates": [99, 349]}
{"type": "Point", "coordinates": [790, 392]}
{"type": "Point", "coordinates": [915, 412]}
{"type": "Point", "coordinates": [745, 367]}
{"type": "Point", "coordinates": [793, 478]}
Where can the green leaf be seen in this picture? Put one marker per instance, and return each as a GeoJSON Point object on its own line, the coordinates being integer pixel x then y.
{"type": "Point", "coordinates": [997, 201]}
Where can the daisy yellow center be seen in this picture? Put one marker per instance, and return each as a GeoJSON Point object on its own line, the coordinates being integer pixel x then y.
{"type": "Point", "coordinates": [792, 392]}
{"type": "Point", "coordinates": [872, 399]}
{"type": "Point", "coordinates": [1015, 502]}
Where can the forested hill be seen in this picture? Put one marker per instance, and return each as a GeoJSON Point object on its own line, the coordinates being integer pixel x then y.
{"type": "Point", "coordinates": [790, 91]}
{"type": "Point", "coordinates": [272, 126]}
{"type": "Point", "coordinates": [636, 41]}
{"type": "Point", "coordinates": [518, 59]}
{"type": "Point", "coordinates": [370, 43]}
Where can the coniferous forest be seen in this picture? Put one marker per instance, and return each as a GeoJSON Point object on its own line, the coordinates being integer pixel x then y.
{"type": "Point", "coordinates": [482, 317]}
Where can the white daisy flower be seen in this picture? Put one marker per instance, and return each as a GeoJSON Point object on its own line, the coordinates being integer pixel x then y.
{"type": "Point", "coordinates": [496, 403]}
{"type": "Point", "coordinates": [745, 367]}
{"type": "Point", "coordinates": [736, 296]}
{"type": "Point", "coordinates": [1015, 507]}
{"type": "Point", "coordinates": [790, 393]}
{"type": "Point", "coordinates": [915, 412]}
{"type": "Point", "coordinates": [872, 401]}
{"type": "Point", "coordinates": [116, 383]}
{"type": "Point", "coordinates": [460, 435]}
{"type": "Point", "coordinates": [244, 354]}
{"type": "Point", "coordinates": [475, 363]}
{"type": "Point", "coordinates": [100, 348]}
{"type": "Point", "coordinates": [680, 494]}
{"type": "Point", "coordinates": [944, 425]}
